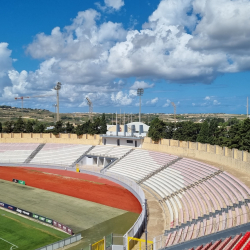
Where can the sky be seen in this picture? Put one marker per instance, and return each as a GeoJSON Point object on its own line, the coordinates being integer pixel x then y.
{"type": "Point", "coordinates": [195, 53]}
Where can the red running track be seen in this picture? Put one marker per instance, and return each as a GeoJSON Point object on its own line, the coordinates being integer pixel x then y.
{"type": "Point", "coordinates": [79, 185]}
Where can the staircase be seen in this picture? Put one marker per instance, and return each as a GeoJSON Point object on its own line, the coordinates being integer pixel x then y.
{"type": "Point", "coordinates": [158, 170]}
{"type": "Point", "coordinates": [81, 157]}
{"type": "Point", "coordinates": [34, 153]}
{"type": "Point", "coordinates": [114, 162]}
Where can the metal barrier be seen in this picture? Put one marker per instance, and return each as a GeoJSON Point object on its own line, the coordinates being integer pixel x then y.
{"type": "Point", "coordinates": [99, 245]}
{"type": "Point", "coordinates": [62, 243]}
{"type": "Point", "coordinates": [132, 240]}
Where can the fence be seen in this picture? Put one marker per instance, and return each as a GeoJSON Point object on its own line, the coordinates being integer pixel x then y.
{"type": "Point", "coordinates": [182, 234]}
{"type": "Point", "coordinates": [99, 245]}
{"type": "Point", "coordinates": [62, 243]}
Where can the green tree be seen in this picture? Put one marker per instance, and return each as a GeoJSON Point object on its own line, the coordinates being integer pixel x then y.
{"type": "Point", "coordinates": [29, 127]}
{"type": "Point", "coordinates": [103, 125]}
{"type": "Point", "coordinates": [58, 128]}
{"type": "Point", "coordinates": [157, 130]}
{"type": "Point", "coordinates": [19, 126]}
{"type": "Point", "coordinates": [69, 128]}
{"type": "Point", "coordinates": [203, 136]}
{"type": "Point", "coordinates": [8, 127]}
{"type": "Point", "coordinates": [39, 128]}
{"type": "Point", "coordinates": [186, 131]}
{"type": "Point", "coordinates": [94, 127]}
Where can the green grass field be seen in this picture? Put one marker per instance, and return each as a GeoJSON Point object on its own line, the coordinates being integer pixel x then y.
{"type": "Point", "coordinates": [19, 233]}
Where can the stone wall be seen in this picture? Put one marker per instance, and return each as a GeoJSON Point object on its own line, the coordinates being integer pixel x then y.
{"type": "Point", "coordinates": [50, 138]}
{"type": "Point", "coordinates": [223, 156]}
{"type": "Point", "coordinates": [212, 153]}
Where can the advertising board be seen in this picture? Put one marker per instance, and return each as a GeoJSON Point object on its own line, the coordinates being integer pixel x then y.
{"type": "Point", "coordinates": [37, 217]}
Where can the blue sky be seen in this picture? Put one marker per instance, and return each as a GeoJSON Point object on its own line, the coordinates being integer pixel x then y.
{"type": "Point", "coordinates": [195, 53]}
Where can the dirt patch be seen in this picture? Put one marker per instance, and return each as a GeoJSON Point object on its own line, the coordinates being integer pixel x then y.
{"type": "Point", "coordinates": [109, 194]}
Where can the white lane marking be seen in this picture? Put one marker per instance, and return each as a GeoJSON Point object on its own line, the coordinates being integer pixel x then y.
{"type": "Point", "coordinates": [9, 243]}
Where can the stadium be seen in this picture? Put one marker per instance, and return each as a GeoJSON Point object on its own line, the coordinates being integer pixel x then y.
{"type": "Point", "coordinates": [170, 195]}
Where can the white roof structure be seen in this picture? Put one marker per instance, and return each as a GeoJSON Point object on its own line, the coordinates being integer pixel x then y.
{"type": "Point", "coordinates": [137, 124]}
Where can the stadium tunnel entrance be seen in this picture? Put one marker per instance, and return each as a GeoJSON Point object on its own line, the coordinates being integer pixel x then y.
{"type": "Point", "coordinates": [100, 161]}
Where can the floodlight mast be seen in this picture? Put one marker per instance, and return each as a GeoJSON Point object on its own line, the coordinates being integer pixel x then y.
{"type": "Point", "coordinates": [90, 108]}
{"type": "Point", "coordinates": [54, 105]}
{"type": "Point", "coordinates": [57, 88]}
{"type": "Point", "coordinates": [140, 92]}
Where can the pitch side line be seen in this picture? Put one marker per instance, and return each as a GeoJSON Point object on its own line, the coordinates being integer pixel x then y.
{"type": "Point", "coordinates": [9, 243]}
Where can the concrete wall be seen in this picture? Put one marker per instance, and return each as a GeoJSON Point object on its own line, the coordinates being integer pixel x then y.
{"type": "Point", "coordinates": [50, 138]}
{"type": "Point", "coordinates": [211, 153]}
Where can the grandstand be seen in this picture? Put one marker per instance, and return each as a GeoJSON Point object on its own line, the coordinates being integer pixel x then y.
{"type": "Point", "coordinates": [109, 151]}
{"type": "Point", "coordinates": [60, 154]}
{"type": "Point", "coordinates": [16, 152]}
{"type": "Point", "coordinates": [200, 199]}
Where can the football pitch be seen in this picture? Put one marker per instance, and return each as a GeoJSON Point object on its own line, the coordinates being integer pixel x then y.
{"type": "Point", "coordinates": [20, 233]}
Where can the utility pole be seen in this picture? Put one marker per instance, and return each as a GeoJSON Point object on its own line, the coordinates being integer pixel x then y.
{"type": "Point", "coordinates": [112, 119]}
{"type": "Point", "coordinates": [124, 119]}
{"type": "Point", "coordinates": [120, 116]}
{"type": "Point", "coordinates": [116, 119]}
{"type": "Point", "coordinates": [57, 88]}
{"type": "Point", "coordinates": [140, 92]}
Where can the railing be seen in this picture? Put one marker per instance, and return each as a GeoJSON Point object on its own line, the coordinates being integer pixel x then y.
{"type": "Point", "coordinates": [138, 227]}
{"type": "Point", "coordinates": [62, 243]}
{"type": "Point", "coordinates": [185, 234]}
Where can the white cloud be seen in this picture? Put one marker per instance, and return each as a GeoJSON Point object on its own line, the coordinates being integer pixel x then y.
{"type": "Point", "coordinates": [167, 104]}
{"type": "Point", "coordinates": [92, 55]}
{"type": "Point", "coordinates": [193, 104]}
{"type": "Point", "coordinates": [141, 84]}
{"type": "Point", "coordinates": [115, 4]}
{"type": "Point", "coordinates": [215, 102]}
{"type": "Point", "coordinates": [153, 101]}
{"type": "Point", "coordinates": [123, 99]}
{"type": "Point", "coordinates": [207, 98]}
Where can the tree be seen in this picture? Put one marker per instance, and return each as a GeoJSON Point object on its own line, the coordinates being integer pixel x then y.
{"type": "Point", "coordinates": [58, 128]}
{"type": "Point", "coordinates": [186, 131]}
{"type": "Point", "coordinates": [94, 127]}
{"type": "Point", "coordinates": [29, 127]}
{"type": "Point", "coordinates": [39, 128]}
{"type": "Point", "coordinates": [157, 130]}
{"type": "Point", "coordinates": [103, 125]}
{"type": "Point", "coordinates": [203, 136]}
{"type": "Point", "coordinates": [8, 127]}
{"type": "Point", "coordinates": [19, 126]}
{"type": "Point", "coordinates": [1, 128]}
{"type": "Point", "coordinates": [69, 128]}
